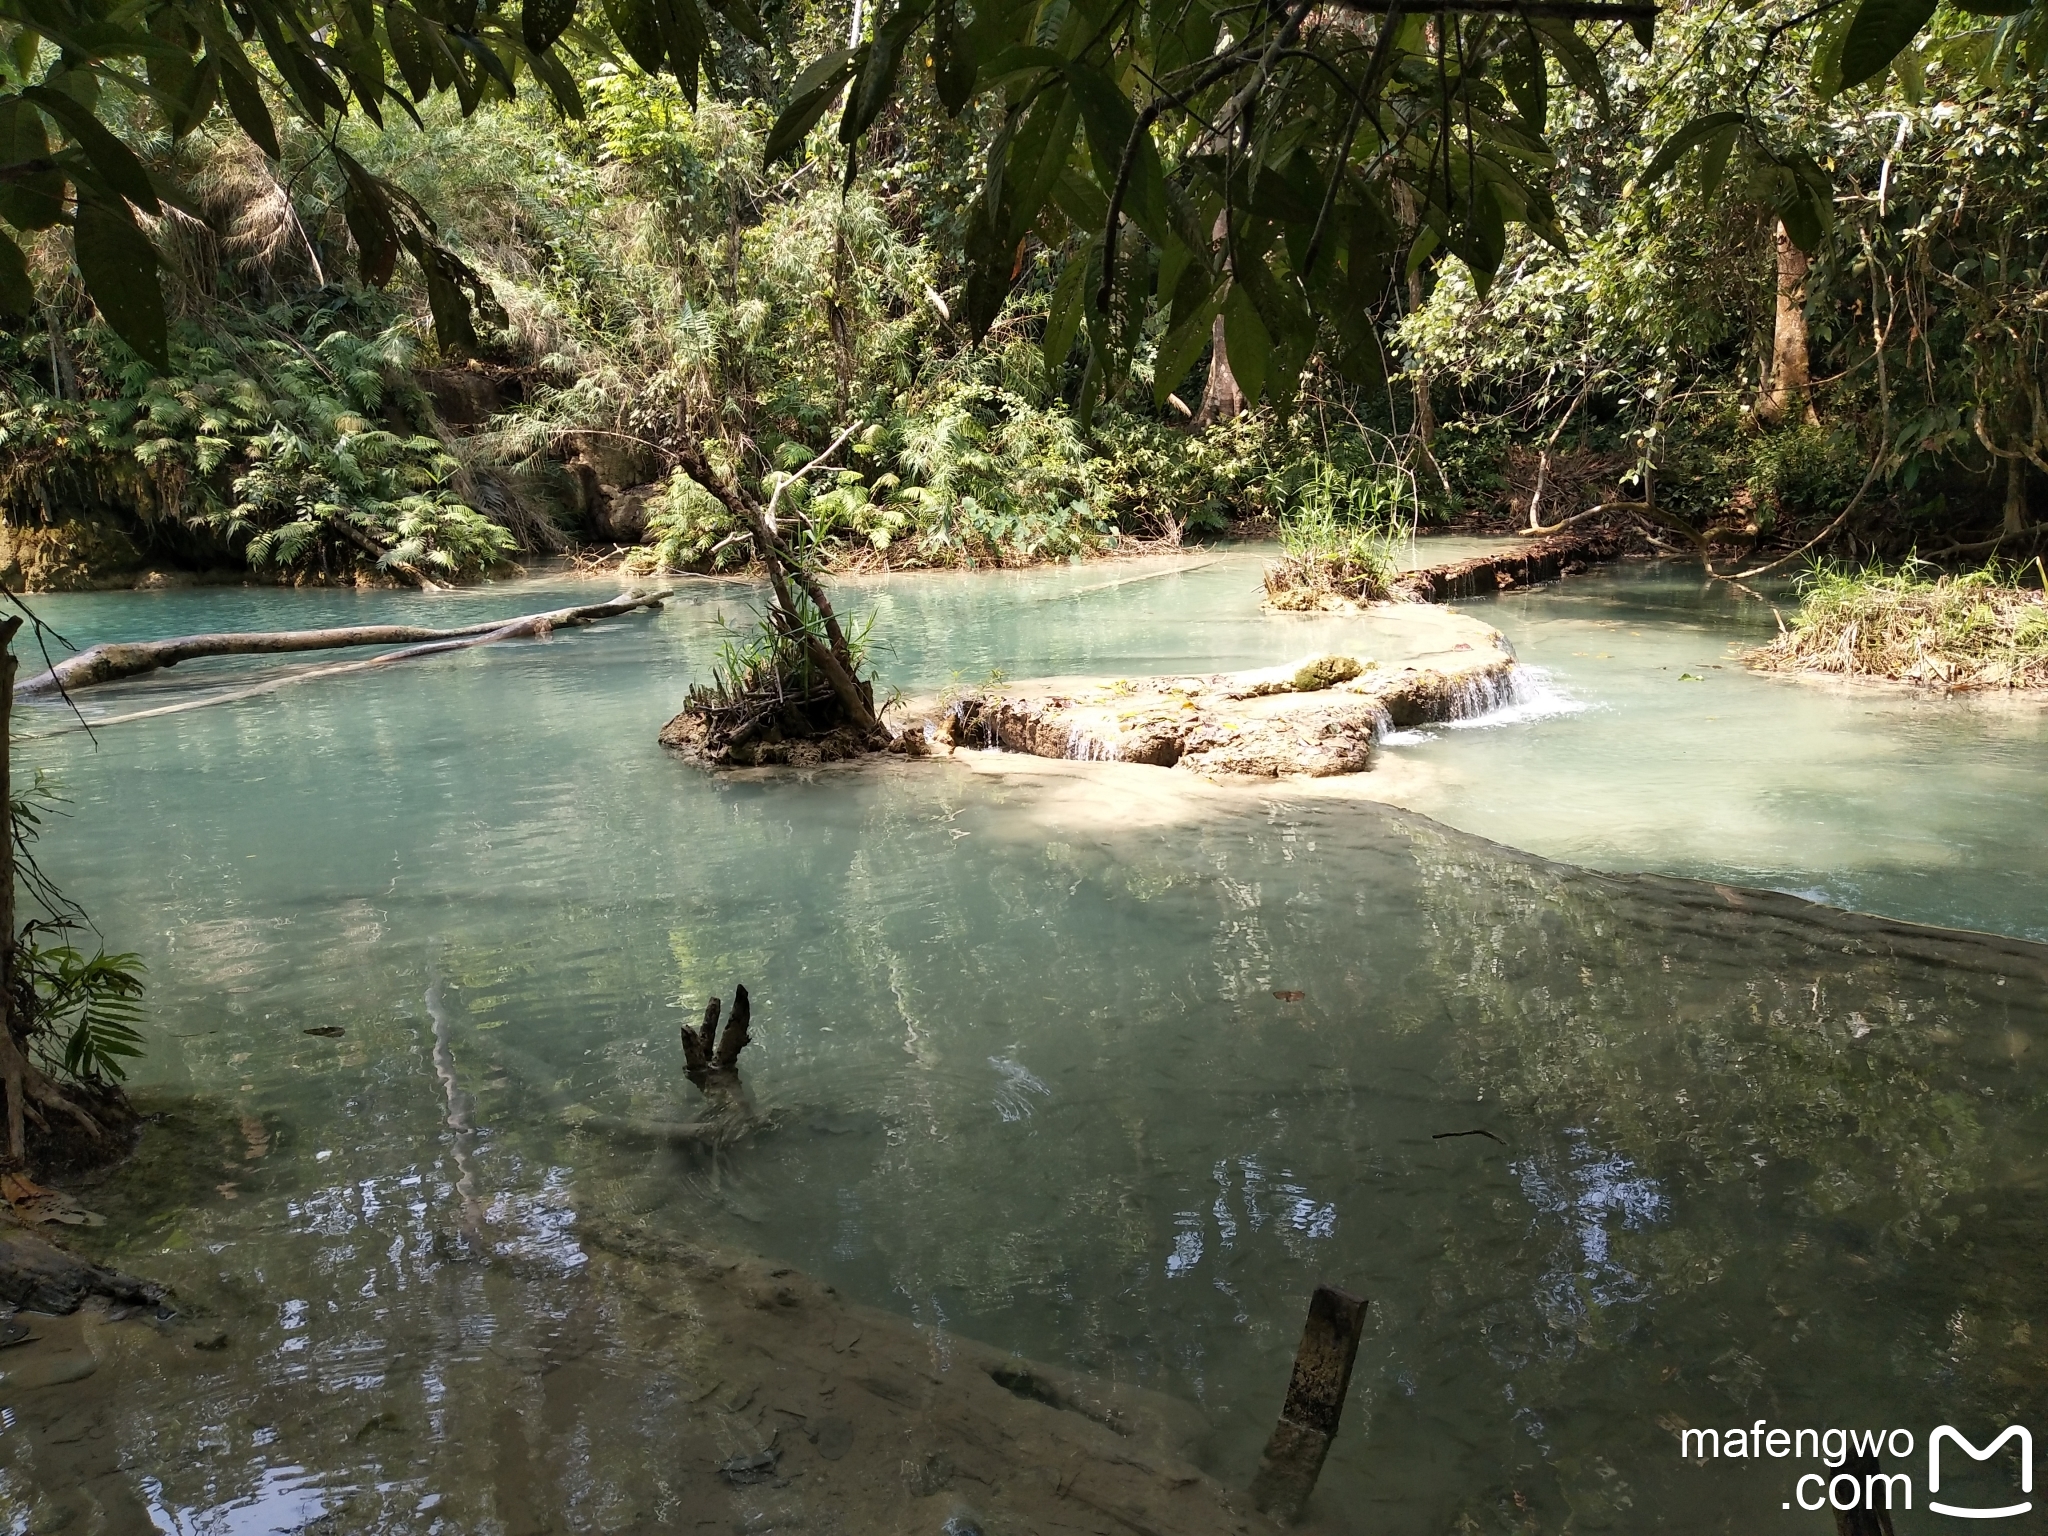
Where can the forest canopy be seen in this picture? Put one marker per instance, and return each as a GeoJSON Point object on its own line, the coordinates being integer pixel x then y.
{"type": "Point", "coordinates": [411, 289]}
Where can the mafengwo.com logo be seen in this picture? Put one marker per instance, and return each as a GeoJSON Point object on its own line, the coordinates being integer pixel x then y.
{"type": "Point", "coordinates": [1852, 1473]}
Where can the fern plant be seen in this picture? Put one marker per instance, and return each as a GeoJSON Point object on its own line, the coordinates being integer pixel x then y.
{"type": "Point", "coordinates": [78, 1014]}
{"type": "Point", "coordinates": [87, 1009]}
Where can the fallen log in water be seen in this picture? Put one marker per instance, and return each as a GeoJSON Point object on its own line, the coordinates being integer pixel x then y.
{"type": "Point", "coordinates": [1541, 559]}
{"type": "Point", "coordinates": [116, 660]}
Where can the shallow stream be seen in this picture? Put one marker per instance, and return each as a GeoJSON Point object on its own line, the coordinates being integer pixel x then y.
{"type": "Point", "coordinates": [1021, 1029]}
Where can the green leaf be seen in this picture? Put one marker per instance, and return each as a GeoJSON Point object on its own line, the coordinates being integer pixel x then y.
{"type": "Point", "coordinates": [1181, 345]}
{"type": "Point", "coordinates": [561, 85]}
{"type": "Point", "coordinates": [1698, 131]}
{"type": "Point", "coordinates": [17, 289]}
{"type": "Point", "coordinates": [34, 201]}
{"type": "Point", "coordinates": [1714, 161]}
{"type": "Point", "coordinates": [118, 265]}
{"type": "Point", "coordinates": [1805, 221]}
{"type": "Point", "coordinates": [638, 30]}
{"type": "Point", "coordinates": [541, 22]}
{"type": "Point", "coordinates": [682, 25]}
{"type": "Point", "coordinates": [114, 161]}
{"type": "Point", "coordinates": [745, 20]}
{"type": "Point", "coordinates": [409, 50]}
{"type": "Point", "coordinates": [367, 209]}
{"type": "Point", "coordinates": [1528, 80]}
{"type": "Point", "coordinates": [1878, 31]}
{"type": "Point", "coordinates": [1581, 64]}
{"type": "Point", "coordinates": [1063, 315]}
{"type": "Point", "coordinates": [877, 78]}
{"type": "Point", "coordinates": [809, 99]}
{"type": "Point", "coordinates": [202, 85]}
{"type": "Point", "coordinates": [1109, 119]}
{"type": "Point", "coordinates": [953, 64]}
{"type": "Point", "coordinates": [1037, 156]}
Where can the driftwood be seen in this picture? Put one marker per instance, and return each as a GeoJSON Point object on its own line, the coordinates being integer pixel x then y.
{"type": "Point", "coordinates": [114, 661]}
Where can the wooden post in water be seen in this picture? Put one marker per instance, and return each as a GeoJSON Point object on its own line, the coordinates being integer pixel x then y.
{"type": "Point", "coordinates": [1315, 1402]}
{"type": "Point", "coordinates": [1866, 1519]}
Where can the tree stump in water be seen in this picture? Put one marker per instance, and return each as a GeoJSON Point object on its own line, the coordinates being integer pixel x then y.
{"type": "Point", "coordinates": [704, 1054]}
{"type": "Point", "coordinates": [712, 1063]}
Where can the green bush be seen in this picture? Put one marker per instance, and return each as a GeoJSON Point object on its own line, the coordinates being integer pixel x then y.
{"type": "Point", "coordinates": [1804, 471]}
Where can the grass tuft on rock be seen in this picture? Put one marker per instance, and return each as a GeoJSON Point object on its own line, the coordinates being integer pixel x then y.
{"type": "Point", "coordinates": [1975, 630]}
{"type": "Point", "coordinates": [1338, 542]}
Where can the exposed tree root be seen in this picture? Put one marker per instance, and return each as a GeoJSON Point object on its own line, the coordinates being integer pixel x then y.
{"type": "Point", "coordinates": [38, 1277]}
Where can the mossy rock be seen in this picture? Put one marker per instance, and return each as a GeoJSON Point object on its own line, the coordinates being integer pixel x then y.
{"type": "Point", "coordinates": [1325, 672]}
{"type": "Point", "coordinates": [67, 556]}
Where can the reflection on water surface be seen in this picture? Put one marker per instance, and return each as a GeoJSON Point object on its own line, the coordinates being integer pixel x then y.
{"type": "Point", "coordinates": [1031, 1084]}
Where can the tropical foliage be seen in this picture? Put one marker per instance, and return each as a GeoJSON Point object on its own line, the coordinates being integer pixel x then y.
{"type": "Point", "coordinates": [1539, 250]}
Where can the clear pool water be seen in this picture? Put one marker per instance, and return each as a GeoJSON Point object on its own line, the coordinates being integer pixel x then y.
{"type": "Point", "coordinates": [1743, 1158]}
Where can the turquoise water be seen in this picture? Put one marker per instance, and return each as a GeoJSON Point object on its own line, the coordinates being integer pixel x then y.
{"type": "Point", "coordinates": [1019, 1031]}
{"type": "Point", "coordinates": [1673, 758]}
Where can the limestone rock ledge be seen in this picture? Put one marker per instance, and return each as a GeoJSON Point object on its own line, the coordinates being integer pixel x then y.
{"type": "Point", "coordinates": [1313, 718]}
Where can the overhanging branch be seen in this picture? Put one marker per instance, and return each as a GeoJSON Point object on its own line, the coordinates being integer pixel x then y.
{"type": "Point", "coordinates": [1533, 10]}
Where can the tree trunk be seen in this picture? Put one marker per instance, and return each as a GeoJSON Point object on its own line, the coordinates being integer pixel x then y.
{"type": "Point", "coordinates": [839, 315]}
{"type": "Point", "coordinates": [832, 656]}
{"type": "Point", "coordinates": [1425, 408]}
{"type": "Point", "coordinates": [2015, 495]}
{"type": "Point", "coordinates": [1788, 392]}
{"type": "Point", "coordinates": [1222, 400]}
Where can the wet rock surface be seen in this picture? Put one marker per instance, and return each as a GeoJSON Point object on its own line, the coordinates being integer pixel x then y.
{"type": "Point", "coordinates": [650, 1381]}
{"type": "Point", "coordinates": [1315, 717]}
{"type": "Point", "coordinates": [40, 1277]}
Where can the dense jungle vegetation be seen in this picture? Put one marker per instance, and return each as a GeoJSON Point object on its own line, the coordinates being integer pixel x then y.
{"type": "Point", "coordinates": [1702, 279]}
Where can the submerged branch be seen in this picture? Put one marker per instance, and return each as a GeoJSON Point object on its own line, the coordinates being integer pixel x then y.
{"type": "Point", "coordinates": [112, 662]}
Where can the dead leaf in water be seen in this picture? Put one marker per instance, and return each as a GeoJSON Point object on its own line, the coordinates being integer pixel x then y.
{"type": "Point", "coordinates": [326, 1031]}
{"type": "Point", "coordinates": [1290, 996]}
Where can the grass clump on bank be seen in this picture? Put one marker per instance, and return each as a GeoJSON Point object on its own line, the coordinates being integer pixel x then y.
{"type": "Point", "coordinates": [1975, 630]}
{"type": "Point", "coordinates": [1339, 537]}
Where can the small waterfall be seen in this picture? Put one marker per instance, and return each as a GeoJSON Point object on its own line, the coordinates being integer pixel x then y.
{"type": "Point", "coordinates": [1084, 748]}
{"type": "Point", "coordinates": [1518, 696]}
{"type": "Point", "coordinates": [972, 726]}
{"type": "Point", "coordinates": [1484, 693]}
{"type": "Point", "coordinates": [1524, 695]}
